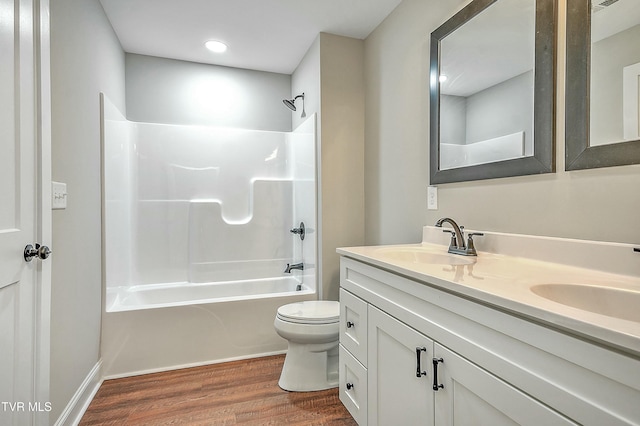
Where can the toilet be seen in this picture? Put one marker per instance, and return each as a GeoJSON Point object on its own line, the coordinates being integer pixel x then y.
{"type": "Point", "coordinates": [312, 329]}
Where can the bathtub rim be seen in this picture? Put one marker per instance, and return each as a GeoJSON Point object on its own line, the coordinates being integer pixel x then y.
{"type": "Point", "coordinates": [113, 295]}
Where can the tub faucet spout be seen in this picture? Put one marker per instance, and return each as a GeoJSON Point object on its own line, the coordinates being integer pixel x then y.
{"type": "Point", "coordinates": [294, 266]}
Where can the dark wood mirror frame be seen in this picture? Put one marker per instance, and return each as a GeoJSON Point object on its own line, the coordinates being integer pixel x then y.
{"type": "Point", "coordinates": [543, 159]}
{"type": "Point", "coordinates": [578, 153]}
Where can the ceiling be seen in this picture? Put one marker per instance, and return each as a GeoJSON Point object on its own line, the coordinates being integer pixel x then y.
{"type": "Point", "coordinates": [614, 18]}
{"type": "Point", "coordinates": [265, 35]}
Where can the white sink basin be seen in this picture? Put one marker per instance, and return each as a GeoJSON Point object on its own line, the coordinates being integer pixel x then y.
{"type": "Point", "coordinates": [422, 255]}
{"type": "Point", "coordinates": [609, 301]}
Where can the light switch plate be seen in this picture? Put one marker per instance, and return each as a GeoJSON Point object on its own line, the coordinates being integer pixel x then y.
{"type": "Point", "coordinates": [432, 198]}
{"type": "Point", "coordinates": [58, 195]}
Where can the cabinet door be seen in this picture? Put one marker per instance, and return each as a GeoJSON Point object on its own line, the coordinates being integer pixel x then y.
{"type": "Point", "coordinates": [472, 396]}
{"type": "Point", "coordinates": [397, 396]}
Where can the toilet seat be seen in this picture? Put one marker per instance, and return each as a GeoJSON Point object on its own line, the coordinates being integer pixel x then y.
{"type": "Point", "coordinates": [310, 312]}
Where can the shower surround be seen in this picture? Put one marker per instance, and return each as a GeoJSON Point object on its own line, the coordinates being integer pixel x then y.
{"type": "Point", "coordinates": [196, 239]}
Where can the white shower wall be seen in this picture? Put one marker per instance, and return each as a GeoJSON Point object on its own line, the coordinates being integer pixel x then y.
{"type": "Point", "coordinates": [209, 198]}
{"type": "Point", "coordinates": [205, 204]}
{"type": "Point", "coordinates": [118, 173]}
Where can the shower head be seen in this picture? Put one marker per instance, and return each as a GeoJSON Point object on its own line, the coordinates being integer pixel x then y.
{"type": "Point", "coordinates": [290, 103]}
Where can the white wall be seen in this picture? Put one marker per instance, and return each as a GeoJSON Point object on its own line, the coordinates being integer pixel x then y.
{"type": "Point", "coordinates": [599, 204]}
{"type": "Point", "coordinates": [332, 77]}
{"type": "Point", "coordinates": [177, 92]}
{"type": "Point", "coordinates": [86, 59]}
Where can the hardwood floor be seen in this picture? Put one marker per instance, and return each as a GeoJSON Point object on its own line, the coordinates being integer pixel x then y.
{"type": "Point", "coordinates": [239, 392]}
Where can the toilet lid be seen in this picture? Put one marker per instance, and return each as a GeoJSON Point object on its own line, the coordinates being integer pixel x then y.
{"type": "Point", "coordinates": [316, 312]}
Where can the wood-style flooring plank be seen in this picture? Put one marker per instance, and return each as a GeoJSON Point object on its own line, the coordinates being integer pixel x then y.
{"type": "Point", "coordinates": [240, 392]}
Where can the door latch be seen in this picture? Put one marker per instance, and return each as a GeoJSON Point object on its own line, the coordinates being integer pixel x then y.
{"type": "Point", "coordinates": [41, 252]}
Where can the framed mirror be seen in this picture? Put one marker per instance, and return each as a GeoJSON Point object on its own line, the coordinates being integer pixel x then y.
{"type": "Point", "coordinates": [602, 89]}
{"type": "Point", "coordinates": [492, 91]}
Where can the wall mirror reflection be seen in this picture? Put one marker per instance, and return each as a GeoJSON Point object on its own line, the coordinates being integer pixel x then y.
{"type": "Point", "coordinates": [492, 91]}
{"type": "Point", "coordinates": [603, 79]}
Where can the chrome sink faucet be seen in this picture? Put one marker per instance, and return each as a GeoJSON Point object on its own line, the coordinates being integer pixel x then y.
{"type": "Point", "coordinates": [457, 244]}
{"type": "Point", "coordinates": [294, 266]}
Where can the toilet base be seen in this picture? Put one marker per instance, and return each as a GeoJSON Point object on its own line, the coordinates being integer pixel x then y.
{"type": "Point", "coordinates": [310, 367]}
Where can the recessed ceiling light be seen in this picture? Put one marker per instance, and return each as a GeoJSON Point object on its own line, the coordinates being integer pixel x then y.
{"type": "Point", "coordinates": [216, 46]}
{"type": "Point", "coordinates": [442, 78]}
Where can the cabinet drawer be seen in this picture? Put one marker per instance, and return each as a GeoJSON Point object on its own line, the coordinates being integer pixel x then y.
{"type": "Point", "coordinates": [353, 386]}
{"type": "Point", "coordinates": [353, 325]}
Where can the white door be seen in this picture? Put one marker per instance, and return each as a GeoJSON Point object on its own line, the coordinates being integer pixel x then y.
{"type": "Point", "coordinates": [397, 394]}
{"type": "Point", "coordinates": [21, 298]}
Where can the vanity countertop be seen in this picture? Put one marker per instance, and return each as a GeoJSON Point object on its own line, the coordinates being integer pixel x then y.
{"type": "Point", "coordinates": [506, 282]}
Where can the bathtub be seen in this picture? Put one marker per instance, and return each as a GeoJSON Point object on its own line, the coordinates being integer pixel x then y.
{"type": "Point", "coordinates": [159, 327]}
{"type": "Point", "coordinates": [166, 295]}
{"type": "Point", "coordinates": [196, 224]}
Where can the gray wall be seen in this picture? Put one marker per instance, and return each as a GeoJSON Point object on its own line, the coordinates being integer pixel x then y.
{"type": "Point", "coordinates": [397, 120]}
{"type": "Point", "coordinates": [342, 152]}
{"type": "Point", "coordinates": [86, 59]}
{"type": "Point", "coordinates": [577, 204]}
{"type": "Point", "coordinates": [177, 92]}
{"type": "Point", "coordinates": [609, 57]}
{"type": "Point", "coordinates": [453, 118]}
{"type": "Point", "coordinates": [496, 111]}
{"type": "Point", "coordinates": [501, 110]}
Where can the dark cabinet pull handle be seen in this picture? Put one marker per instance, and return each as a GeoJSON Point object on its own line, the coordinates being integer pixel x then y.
{"type": "Point", "coordinates": [349, 386]}
{"type": "Point", "coordinates": [419, 372]}
{"type": "Point", "coordinates": [350, 324]}
{"type": "Point", "coordinates": [436, 386]}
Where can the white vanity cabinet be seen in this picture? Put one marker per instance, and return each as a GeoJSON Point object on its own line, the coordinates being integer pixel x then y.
{"type": "Point", "coordinates": [404, 362]}
{"type": "Point", "coordinates": [493, 368]}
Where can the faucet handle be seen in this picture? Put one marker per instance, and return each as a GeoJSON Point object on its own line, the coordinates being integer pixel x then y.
{"type": "Point", "coordinates": [299, 231]}
{"type": "Point", "coordinates": [454, 240]}
{"type": "Point", "coordinates": [470, 246]}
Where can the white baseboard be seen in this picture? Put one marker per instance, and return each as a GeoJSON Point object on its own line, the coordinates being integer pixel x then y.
{"type": "Point", "coordinates": [75, 409]}
{"type": "Point", "coordinates": [195, 364]}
